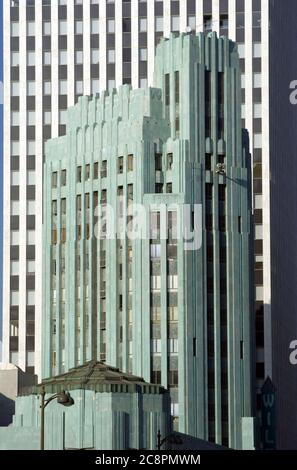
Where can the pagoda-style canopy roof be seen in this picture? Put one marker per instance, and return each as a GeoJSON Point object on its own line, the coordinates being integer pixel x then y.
{"type": "Point", "coordinates": [96, 376]}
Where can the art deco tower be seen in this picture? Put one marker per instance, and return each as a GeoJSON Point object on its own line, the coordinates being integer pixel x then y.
{"type": "Point", "coordinates": [158, 307]}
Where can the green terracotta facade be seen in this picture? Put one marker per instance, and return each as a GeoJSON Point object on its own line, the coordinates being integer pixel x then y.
{"type": "Point", "coordinates": [177, 317]}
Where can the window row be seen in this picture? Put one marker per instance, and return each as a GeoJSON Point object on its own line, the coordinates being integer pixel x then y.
{"type": "Point", "coordinates": [15, 178]}
{"type": "Point", "coordinates": [257, 80]}
{"type": "Point", "coordinates": [62, 27]}
{"type": "Point", "coordinates": [15, 207]}
{"type": "Point", "coordinates": [14, 297]}
{"type": "Point", "coordinates": [15, 237]}
{"type": "Point", "coordinates": [172, 346]}
{"type": "Point", "coordinates": [172, 314]}
{"type": "Point", "coordinates": [15, 267]}
{"type": "Point", "coordinates": [15, 147]}
{"type": "Point", "coordinates": [172, 282]}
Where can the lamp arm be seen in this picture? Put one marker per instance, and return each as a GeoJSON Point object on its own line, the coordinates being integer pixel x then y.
{"type": "Point", "coordinates": [51, 399]}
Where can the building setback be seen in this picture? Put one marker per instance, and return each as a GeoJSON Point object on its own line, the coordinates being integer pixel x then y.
{"type": "Point", "coordinates": [153, 306]}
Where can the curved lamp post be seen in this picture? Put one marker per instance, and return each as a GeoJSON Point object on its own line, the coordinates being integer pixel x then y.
{"type": "Point", "coordinates": [63, 398]}
{"type": "Point", "coordinates": [172, 438]}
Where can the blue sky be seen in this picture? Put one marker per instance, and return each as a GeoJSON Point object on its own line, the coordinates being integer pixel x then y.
{"type": "Point", "coordinates": [1, 168]}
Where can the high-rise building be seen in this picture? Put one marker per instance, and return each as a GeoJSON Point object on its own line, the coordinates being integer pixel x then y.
{"type": "Point", "coordinates": [56, 50]}
{"type": "Point", "coordinates": [125, 279]}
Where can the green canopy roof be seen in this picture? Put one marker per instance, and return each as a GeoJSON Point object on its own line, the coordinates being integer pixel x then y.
{"type": "Point", "coordinates": [95, 376]}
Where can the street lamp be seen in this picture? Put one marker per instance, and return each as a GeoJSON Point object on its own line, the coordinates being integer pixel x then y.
{"type": "Point", "coordinates": [172, 438]}
{"type": "Point", "coordinates": [63, 398]}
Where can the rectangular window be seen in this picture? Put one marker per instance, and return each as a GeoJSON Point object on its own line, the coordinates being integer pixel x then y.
{"type": "Point", "coordinates": [15, 118]}
{"type": "Point", "coordinates": [207, 104]}
{"type": "Point", "coordinates": [143, 25]}
{"type": "Point", "coordinates": [104, 169]}
{"type": "Point", "coordinates": [15, 207]}
{"type": "Point", "coordinates": [143, 54]}
{"type": "Point", "coordinates": [30, 237]}
{"type": "Point", "coordinates": [257, 50]}
{"type": "Point", "coordinates": [31, 118]}
{"type": "Point", "coordinates": [47, 28]}
{"type": "Point", "coordinates": [257, 110]}
{"type": "Point", "coordinates": [47, 118]}
{"type": "Point", "coordinates": [94, 26]}
{"type": "Point", "coordinates": [30, 28]}
{"type": "Point", "coordinates": [79, 27]}
{"type": "Point", "coordinates": [158, 162]}
{"type": "Point", "coordinates": [95, 56]}
{"type": "Point", "coordinates": [156, 314]}
{"type": "Point", "coordinates": [63, 87]}
{"type": "Point", "coordinates": [30, 266]}
{"type": "Point", "coordinates": [167, 94]}
{"type": "Point", "coordinates": [257, 80]}
{"type": "Point", "coordinates": [15, 178]}
{"type": "Point", "coordinates": [173, 346]}
{"type": "Point", "coordinates": [14, 237]}
{"type": "Point", "coordinates": [79, 57]}
{"type": "Point", "coordinates": [169, 188]}
{"type": "Point", "coordinates": [30, 297]}
{"type": "Point", "coordinates": [14, 29]}
{"type": "Point", "coordinates": [224, 23]}
{"type": "Point", "coordinates": [172, 282]}
{"type": "Point", "coordinates": [63, 117]}
{"type": "Point", "coordinates": [54, 179]}
{"type": "Point", "coordinates": [175, 23]}
{"type": "Point", "coordinates": [156, 346]}
{"type": "Point", "coordinates": [15, 59]}
{"type": "Point", "coordinates": [130, 162]}
{"type": "Point", "coordinates": [79, 87]}
{"type": "Point", "coordinates": [31, 207]}
{"type": "Point", "coordinates": [111, 56]}
{"type": "Point", "coordinates": [47, 88]}
{"type": "Point", "coordinates": [14, 297]}
{"type": "Point", "coordinates": [47, 58]}
{"type": "Point", "coordinates": [31, 88]}
{"type": "Point", "coordinates": [176, 96]}
{"type": "Point", "coordinates": [63, 27]}
{"type": "Point", "coordinates": [15, 88]}
{"type": "Point", "coordinates": [14, 328]}
{"type": "Point", "coordinates": [95, 86]}
{"type": "Point", "coordinates": [31, 147]}
{"type": "Point", "coordinates": [63, 177]}
{"type": "Point", "coordinates": [241, 50]}
{"type": "Point", "coordinates": [96, 170]}
{"type": "Point", "coordinates": [221, 105]}
{"type": "Point", "coordinates": [120, 165]}
{"type": "Point", "coordinates": [207, 23]}
{"type": "Point", "coordinates": [110, 26]}
{"type": "Point", "coordinates": [155, 282]}
{"type": "Point", "coordinates": [192, 22]}
{"type": "Point", "coordinates": [63, 57]}
{"type": "Point", "coordinates": [169, 161]}
{"type": "Point", "coordinates": [173, 314]}
{"type": "Point", "coordinates": [159, 24]}
{"type": "Point", "coordinates": [155, 251]}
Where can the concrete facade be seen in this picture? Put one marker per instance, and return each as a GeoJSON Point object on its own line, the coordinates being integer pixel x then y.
{"type": "Point", "coordinates": [12, 380]}
{"type": "Point", "coordinates": [148, 306]}
{"type": "Point", "coordinates": [111, 411]}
